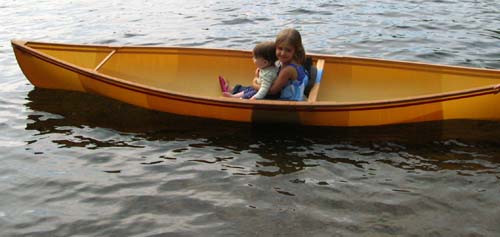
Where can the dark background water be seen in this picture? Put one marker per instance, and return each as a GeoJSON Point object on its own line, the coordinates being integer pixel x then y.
{"type": "Point", "coordinates": [77, 164]}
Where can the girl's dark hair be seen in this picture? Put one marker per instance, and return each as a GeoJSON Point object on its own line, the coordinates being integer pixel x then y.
{"type": "Point", "coordinates": [265, 50]}
{"type": "Point", "coordinates": [293, 38]}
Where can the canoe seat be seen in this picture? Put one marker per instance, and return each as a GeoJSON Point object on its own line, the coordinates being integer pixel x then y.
{"type": "Point", "coordinates": [314, 81]}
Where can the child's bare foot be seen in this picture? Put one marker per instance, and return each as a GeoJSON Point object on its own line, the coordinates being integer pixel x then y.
{"type": "Point", "coordinates": [227, 94]}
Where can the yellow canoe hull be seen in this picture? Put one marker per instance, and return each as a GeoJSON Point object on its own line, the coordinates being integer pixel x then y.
{"type": "Point", "coordinates": [351, 92]}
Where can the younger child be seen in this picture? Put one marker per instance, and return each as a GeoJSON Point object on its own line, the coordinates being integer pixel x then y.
{"type": "Point", "coordinates": [264, 57]}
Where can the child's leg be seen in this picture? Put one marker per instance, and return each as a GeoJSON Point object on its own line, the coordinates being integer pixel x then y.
{"type": "Point", "coordinates": [248, 93]}
{"type": "Point", "coordinates": [237, 95]}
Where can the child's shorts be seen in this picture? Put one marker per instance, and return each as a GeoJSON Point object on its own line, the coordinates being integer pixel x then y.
{"type": "Point", "coordinates": [248, 91]}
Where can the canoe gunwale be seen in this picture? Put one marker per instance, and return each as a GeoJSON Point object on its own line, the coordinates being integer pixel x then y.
{"type": "Point", "coordinates": [343, 59]}
{"type": "Point", "coordinates": [272, 104]}
{"type": "Point", "coordinates": [413, 65]}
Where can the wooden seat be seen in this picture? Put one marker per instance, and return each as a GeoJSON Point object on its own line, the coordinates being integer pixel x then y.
{"type": "Point", "coordinates": [313, 93]}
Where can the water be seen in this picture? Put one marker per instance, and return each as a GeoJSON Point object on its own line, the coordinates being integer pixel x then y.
{"type": "Point", "coordinates": [82, 165]}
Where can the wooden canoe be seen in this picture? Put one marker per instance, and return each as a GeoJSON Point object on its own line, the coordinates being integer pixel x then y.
{"type": "Point", "coordinates": [349, 91]}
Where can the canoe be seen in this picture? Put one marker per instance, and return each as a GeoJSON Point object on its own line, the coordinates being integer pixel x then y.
{"type": "Point", "coordinates": [347, 91]}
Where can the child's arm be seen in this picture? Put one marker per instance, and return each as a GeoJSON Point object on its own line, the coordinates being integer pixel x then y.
{"type": "Point", "coordinates": [285, 74]}
{"type": "Point", "coordinates": [255, 84]}
{"type": "Point", "coordinates": [262, 92]}
{"type": "Point", "coordinates": [266, 79]}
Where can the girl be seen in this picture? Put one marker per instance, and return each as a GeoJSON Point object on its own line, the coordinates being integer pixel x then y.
{"type": "Point", "coordinates": [292, 78]}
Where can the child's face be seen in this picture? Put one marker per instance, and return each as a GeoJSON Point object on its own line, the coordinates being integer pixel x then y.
{"type": "Point", "coordinates": [260, 62]}
{"type": "Point", "coordinates": [285, 52]}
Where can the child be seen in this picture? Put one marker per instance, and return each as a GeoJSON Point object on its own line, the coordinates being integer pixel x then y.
{"type": "Point", "coordinates": [292, 78]}
{"type": "Point", "coordinates": [264, 57]}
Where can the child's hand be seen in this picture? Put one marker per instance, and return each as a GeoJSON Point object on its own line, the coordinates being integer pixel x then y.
{"type": "Point", "coordinates": [255, 84]}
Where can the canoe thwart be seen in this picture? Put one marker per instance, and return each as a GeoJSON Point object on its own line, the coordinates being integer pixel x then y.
{"type": "Point", "coordinates": [105, 60]}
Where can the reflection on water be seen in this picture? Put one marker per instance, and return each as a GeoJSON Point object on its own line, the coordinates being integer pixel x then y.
{"type": "Point", "coordinates": [178, 175]}
{"type": "Point", "coordinates": [429, 146]}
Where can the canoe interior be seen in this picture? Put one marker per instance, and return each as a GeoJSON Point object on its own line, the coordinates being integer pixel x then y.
{"type": "Point", "coordinates": [187, 71]}
{"type": "Point", "coordinates": [352, 80]}
{"type": "Point", "coordinates": [194, 71]}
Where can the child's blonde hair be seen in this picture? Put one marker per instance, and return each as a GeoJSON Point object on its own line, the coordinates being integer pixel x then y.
{"type": "Point", "coordinates": [292, 37]}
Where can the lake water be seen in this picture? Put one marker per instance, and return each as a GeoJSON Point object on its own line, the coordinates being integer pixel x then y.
{"type": "Point", "coordinates": [73, 164]}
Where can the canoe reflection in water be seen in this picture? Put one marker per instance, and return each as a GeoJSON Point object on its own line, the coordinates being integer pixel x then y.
{"type": "Point", "coordinates": [285, 148]}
